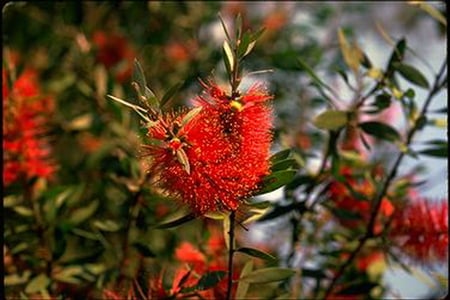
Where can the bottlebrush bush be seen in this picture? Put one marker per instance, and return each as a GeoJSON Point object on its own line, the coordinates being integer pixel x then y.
{"type": "Point", "coordinates": [142, 143]}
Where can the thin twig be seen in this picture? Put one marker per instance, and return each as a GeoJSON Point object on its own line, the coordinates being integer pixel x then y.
{"type": "Point", "coordinates": [378, 200]}
{"type": "Point", "coordinates": [230, 255]}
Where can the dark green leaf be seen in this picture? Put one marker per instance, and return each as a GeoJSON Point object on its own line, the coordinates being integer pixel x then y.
{"type": "Point", "coordinates": [284, 165]}
{"type": "Point", "coordinates": [268, 275]}
{"type": "Point", "coordinates": [298, 181]}
{"type": "Point", "coordinates": [346, 214]}
{"type": "Point", "coordinates": [169, 94]}
{"type": "Point", "coordinates": [359, 288]}
{"type": "Point", "coordinates": [176, 222]}
{"type": "Point", "coordinates": [366, 62]}
{"type": "Point", "coordinates": [382, 101]}
{"type": "Point", "coordinates": [276, 180]}
{"type": "Point", "coordinates": [314, 273]}
{"type": "Point", "coordinates": [280, 210]}
{"type": "Point", "coordinates": [331, 119]}
{"type": "Point", "coordinates": [396, 56]}
{"type": "Point", "coordinates": [207, 281]}
{"type": "Point", "coordinates": [443, 110]}
{"type": "Point", "coordinates": [440, 151]}
{"type": "Point", "coordinates": [224, 28]}
{"type": "Point", "coordinates": [412, 74]}
{"type": "Point", "coordinates": [410, 93]}
{"type": "Point", "coordinates": [143, 249]}
{"type": "Point", "coordinates": [279, 156]}
{"type": "Point", "coordinates": [256, 253]}
{"type": "Point", "coordinates": [312, 74]}
{"type": "Point", "coordinates": [380, 130]}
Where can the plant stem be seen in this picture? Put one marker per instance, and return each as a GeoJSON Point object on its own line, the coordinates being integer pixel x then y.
{"type": "Point", "coordinates": [379, 196]}
{"type": "Point", "coordinates": [230, 255]}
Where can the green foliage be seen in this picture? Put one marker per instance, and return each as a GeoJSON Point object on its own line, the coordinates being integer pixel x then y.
{"type": "Point", "coordinates": [98, 223]}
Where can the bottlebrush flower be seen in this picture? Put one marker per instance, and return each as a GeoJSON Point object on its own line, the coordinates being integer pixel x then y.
{"type": "Point", "coordinates": [115, 53]}
{"type": "Point", "coordinates": [421, 230]}
{"type": "Point", "coordinates": [26, 150]}
{"type": "Point", "coordinates": [357, 203]}
{"type": "Point", "coordinates": [217, 158]}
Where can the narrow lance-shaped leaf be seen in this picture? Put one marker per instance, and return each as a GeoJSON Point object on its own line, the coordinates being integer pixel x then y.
{"type": "Point", "coordinates": [256, 253]}
{"type": "Point", "coordinates": [242, 288]}
{"type": "Point", "coordinates": [279, 156]}
{"type": "Point", "coordinates": [313, 75]}
{"type": "Point", "coordinates": [380, 130]}
{"type": "Point", "coordinates": [183, 160]}
{"type": "Point", "coordinates": [412, 74]}
{"type": "Point", "coordinates": [276, 180]}
{"type": "Point", "coordinates": [177, 222]}
{"type": "Point", "coordinates": [439, 151]}
{"type": "Point", "coordinates": [207, 281]}
{"type": "Point", "coordinates": [352, 54]}
{"type": "Point", "coordinates": [189, 116]}
{"type": "Point", "coordinates": [268, 275]}
{"type": "Point", "coordinates": [143, 249]}
{"type": "Point", "coordinates": [228, 57]}
{"type": "Point", "coordinates": [169, 94]}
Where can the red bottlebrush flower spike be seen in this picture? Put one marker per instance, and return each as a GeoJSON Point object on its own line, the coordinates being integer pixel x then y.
{"type": "Point", "coordinates": [26, 151]}
{"type": "Point", "coordinates": [345, 200]}
{"type": "Point", "coordinates": [421, 230]}
{"type": "Point", "coordinates": [215, 155]}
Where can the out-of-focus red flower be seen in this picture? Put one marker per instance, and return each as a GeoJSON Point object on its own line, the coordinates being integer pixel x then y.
{"type": "Point", "coordinates": [357, 202]}
{"type": "Point", "coordinates": [201, 264]}
{"type": "Point", "coordinates": [217, 158]}
{"type": "Point", "coordinates": [115, 53]}
{"type": "Point", "coordinates": [275, 20]}
{"type": "Point", "coordinates": [26, 150]}
{"type": "Point", "coordinates": [420, 229]}
{"type": "Point", "coordinates": [177, 51]}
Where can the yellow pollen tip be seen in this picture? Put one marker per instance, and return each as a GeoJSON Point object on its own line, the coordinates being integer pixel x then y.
{"type": "Point", "coordinates": [236, 105]}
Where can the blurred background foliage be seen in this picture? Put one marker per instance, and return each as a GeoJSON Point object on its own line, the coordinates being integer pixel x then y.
{"type": "Point", "coordinates": [90, 226]}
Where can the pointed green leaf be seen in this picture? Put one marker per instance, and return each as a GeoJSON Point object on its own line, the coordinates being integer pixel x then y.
{"type": "Point", "coordinates": [351, 53]}
{"type": "Point", "coordinates": [207, 281]}
{"type": "Point", "coordinates": [284, 165]}
{"type": "Point", "coordinates": [380, 130]}
{"type": "Point", "coordinates": [143, 249]}
{"type": "Point", "coordinates": [139, 76]}
{"type": "Point", "coordinates": [176, 222]}
{"type": "Point", "coordinates": [397, 56]}
{"type": "Point", "coordinates": [331, 119]}
{"type": "Point", "coordinates": [106, 225]}
{"type": "Point", "coordinates": [268, 275]}
{"type": "Point", "coordinates": [229, 57]}
{"type": "Point", "coordinates": [312, 74]}
{"type": "Point", "coordinates": [37, 284]}
{"type": "Point", "coordinates": [189, 116]}
{"type": "Point", "coordinates": [412, 74]}
{"type": "Point", "coordinates": [440, 151]}
{"type": "Point", "coordinates": [279, 156]}
{"type": "Point", "coordinates": [276, 180]}
{"type": "Point", "coordinates": [82, 214]}
{"type": "Point", "coordinates": [256, 253]}
{"type": "Point", "coordinates": [184, 160]}
{"type": "Point", "coordinates": [169, 94]}
{"type": "Point", "coordinates": [429, 9]}
{"type": "Point", "coordinates": [224, 28]}
{"type": "Point", "coordinates": [242, 288]}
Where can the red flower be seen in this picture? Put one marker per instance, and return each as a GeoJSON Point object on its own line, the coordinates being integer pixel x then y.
{"type": "Point", "coordinates": [421, 230]}
{"type": "Point", "coordinates": [357, 202]}
{"type": "Point", "coordinates": [217, 158]}
{"type": "Point", "coordinates": [115, 53]}
{"type": "Point", "coordinates": [26, 151]}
